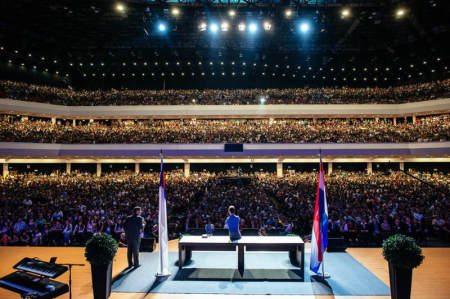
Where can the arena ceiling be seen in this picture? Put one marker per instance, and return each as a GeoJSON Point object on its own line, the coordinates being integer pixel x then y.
{"type": "Point", "coordinates": [294, 43]}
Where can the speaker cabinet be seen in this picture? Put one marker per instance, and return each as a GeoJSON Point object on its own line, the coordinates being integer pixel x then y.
{"type": "Point", "coordinates": [147, 244]}
{"type": "Point", "coordinates": [336, 244]}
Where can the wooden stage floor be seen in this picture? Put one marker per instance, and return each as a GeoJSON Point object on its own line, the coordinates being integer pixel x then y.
{"type": "Point", "coordinates": [430, 281]}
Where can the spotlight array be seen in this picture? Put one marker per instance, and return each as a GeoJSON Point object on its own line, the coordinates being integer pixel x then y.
{"type": "Point", "coordinates": [253, 27]}
{"type": "Point", "coordinates": [225, 26]}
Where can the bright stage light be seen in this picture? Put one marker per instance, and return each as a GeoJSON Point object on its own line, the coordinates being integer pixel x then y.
{"type": "Point", "coordinates": [224, 26]}
{"type": "Point", "coordinates": [162, 27]}
{"type": "Point", "coordinates": [175, 11]}
{"type": "Point", "coordinates": [267, 26]}
{"type": "Point", "coordinates": [304, 27]}
{"type": "Point", "coordinates": [120, 7]}
{"type": "Point", "coordinates": [241, 27]}
{"type": "Point", "coordinates": [231, 13]}
{"type": "Point", "coordinates": [262, 100]}
{"type": "Point", "coordinates": [252, 27]}
{"type": "Point", "coordinates": [400, 12]}
{"type": "Point", "coordinates": [288, 13]}
{"type": "Point", "coordinates": [202, 26]}
{"type": "Point", "coordinates": [214, 27]}
{"type": "Point", "coordinates": [345, 13]}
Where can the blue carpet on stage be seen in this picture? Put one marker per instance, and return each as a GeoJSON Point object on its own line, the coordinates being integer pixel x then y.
{"type": "Point", "coordinates": [265, 273]}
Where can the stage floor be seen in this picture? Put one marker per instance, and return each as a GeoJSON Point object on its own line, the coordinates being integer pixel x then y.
{"type": "Point", "coordinates": [430, 281]}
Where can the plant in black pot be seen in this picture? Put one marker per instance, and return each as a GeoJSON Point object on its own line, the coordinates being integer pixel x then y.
{"type": "Point", "coordinates": [100, 251]}
{"type": "Point", "coordinates": [403, 255]}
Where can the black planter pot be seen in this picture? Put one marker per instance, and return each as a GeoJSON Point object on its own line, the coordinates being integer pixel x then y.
{"type": "Point", "coordinates": [400, 280]}
{"type": "Point", "coordinates": [101, 280]}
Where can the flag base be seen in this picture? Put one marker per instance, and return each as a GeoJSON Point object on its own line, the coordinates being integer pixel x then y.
{"type": "Point", "coordinates": [324, 275]}
{"type": "Point", "coordinates": [162, 274]}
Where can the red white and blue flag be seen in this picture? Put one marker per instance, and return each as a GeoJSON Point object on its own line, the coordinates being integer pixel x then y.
{"type": "Point", "coordinates": [319, 236]}
{"type": "Point", "coordinates": [162, 229]}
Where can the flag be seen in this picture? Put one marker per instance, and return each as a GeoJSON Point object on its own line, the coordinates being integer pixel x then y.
{"type": "Point", "coordinates": [319, 236]}
{"type": "Point", "coordinates": [162, 230]}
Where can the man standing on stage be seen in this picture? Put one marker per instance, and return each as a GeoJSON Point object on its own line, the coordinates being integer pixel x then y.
{"type": "Point", "coordinates": [134, 226]}
{"type": "Point", "coordinates": [232, 223]}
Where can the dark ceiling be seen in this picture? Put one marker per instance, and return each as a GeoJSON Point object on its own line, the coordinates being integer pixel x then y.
{"type": "Point", "coordinates": [90, 41]}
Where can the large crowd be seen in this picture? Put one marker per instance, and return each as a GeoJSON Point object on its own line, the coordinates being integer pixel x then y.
{"type": "Point", "coordinates": [425, 129]}
{"type": "Point", "coordinates": [67, 209]}
{"type": "Point", "coordinates": [342, 95]}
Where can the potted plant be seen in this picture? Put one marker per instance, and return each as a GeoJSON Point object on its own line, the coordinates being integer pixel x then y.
{"type": "Point", "coordinates": [403, 255]}
{"type": "Point", "coordinates": [100, 251]}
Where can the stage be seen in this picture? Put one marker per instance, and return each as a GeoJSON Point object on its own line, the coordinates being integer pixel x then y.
{"type": "Point", "coordinates": [431, 280]}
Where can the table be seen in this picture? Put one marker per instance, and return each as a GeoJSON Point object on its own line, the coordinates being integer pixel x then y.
{"type": "Point", "coordinates": [293, 244]}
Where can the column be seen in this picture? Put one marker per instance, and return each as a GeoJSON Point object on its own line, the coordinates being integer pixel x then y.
{"type": "Point", "coordinates": [402, 166]}
{"type": "Point", "coordinates": [5, 169]}
{"type": "Point", "coordinates": [369, 167]}
{"type": "Point", "coordinates": [74, 122]}
{"type": "Point", "coordinates": [187, 169]}
{"type": "Point", "coordinates": [137, 168]}
{"type": "Point", "coordinates": [99, 169]}
{"type": "Point", "coordinates": [68, 167]}
{"type": "Point", "coordinates": [53, 120]}
{"type": "Point", "coordinates": [414, 119]}
{"type": "Point", "coordinates": [330, 167]}
{"type": "Point", "coordinates": [279, 169]}
{"type": "Point", "coordinates": [395, 121]}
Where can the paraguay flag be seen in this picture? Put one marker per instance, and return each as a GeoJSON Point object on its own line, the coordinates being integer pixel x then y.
{"type": "Point", "coordinates": [319, 236]}
{"type": "Point", "coordinates": [162, 229]}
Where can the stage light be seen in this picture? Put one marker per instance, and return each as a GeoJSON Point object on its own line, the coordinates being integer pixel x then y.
{"type": "Point", "coordinates": [400, 13]}
{"type": "Point", "coordinates": [202, 26]}
{"type": "Point", "coordinates": [262, 100]}
{"type": "Point", "coordinates": [267, 26]}
{"type": "Point", "coordinates": [252, 27]}
{"type": "Point", "coordinates": [345, 13]}
{"type": "Point", "coordinates": [231, 13]}
{"type": "Point", "coordinates": [214, 27]}
{"type": "Point", "coordinates": [175, 11]}
{"type": "Point", "coordinates": [241, 27]}
{"type": "Point", "coordinates": [224, 26]}
{"type": "Point", "coordinates": [288, 13]}
{"type": "Point", "coordinates": [304, 27]}
{"type": "Point", "coordinates": [120, 7]}
{"type": "Point", "coordinates": [162, 27]}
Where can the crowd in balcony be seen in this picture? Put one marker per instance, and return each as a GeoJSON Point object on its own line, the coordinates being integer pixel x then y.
{"type": "Point", "coordinates": [66, 209]}
{"type": "Point", "coordinates": [341, 95]}
{"type": "Point", "coordinates": [424, 129]}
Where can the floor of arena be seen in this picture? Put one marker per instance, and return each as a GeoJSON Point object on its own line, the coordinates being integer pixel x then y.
{"type": "Point", "coordinates": [430, 280]}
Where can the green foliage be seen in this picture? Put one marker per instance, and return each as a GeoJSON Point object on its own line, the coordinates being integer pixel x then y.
{"type": "Point", "coordinates": [402, 252]}
{"type": "Point", "coordinates": [101, 249]}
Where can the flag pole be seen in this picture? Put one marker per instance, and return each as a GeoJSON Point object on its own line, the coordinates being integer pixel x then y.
{"type": "Point", "coordinates": [324, 276]}
{"type": "Point", "coordinates": [162, 227]}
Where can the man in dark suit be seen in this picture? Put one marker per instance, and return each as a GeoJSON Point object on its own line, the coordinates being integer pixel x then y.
{"type": "Point", "coordinates": [134, 225]}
